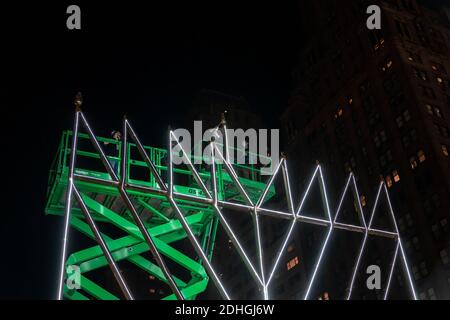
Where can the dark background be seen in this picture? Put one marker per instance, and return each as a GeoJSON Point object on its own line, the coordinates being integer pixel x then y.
{"type": "Point", "coordinates": [146, 61]}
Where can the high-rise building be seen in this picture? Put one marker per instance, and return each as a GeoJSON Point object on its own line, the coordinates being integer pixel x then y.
{"type": "Point", "coordinates": [377, 103]}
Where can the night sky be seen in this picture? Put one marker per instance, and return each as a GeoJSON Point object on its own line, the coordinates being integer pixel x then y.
{"type": "Point", "coordinates": [145, 61]}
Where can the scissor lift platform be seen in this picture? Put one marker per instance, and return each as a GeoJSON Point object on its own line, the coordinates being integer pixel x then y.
{"type": "Point", "coordinates": [105, 204]}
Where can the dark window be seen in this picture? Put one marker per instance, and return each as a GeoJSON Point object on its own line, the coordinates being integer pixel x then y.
{"type": "Point", "coordinates": [402, 29]}
{"type": "Point", "coordinates": [420, 74]}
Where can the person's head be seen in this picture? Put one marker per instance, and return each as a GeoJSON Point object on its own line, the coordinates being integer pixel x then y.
{"type": "Point", "coordinates": [116, 135]}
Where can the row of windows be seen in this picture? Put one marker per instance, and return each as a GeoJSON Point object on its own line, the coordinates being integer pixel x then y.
{"type": "Point", "coordinates": [404, 117]}
{"type": "Point", "coordinates": [402, 29]}
{"type": "Point", "coordinates": [376, 38]}
{"type": "Point", "coordinates": [420, 74]}
{"type": "Point", "coordinates": [406, 4]}
{"type": "Point", "coordinates": [350, 165]}
{"type": "Point", "coordinates": [385, 158]}
{"type": "Point", "coordinates": [414, 57]}
{"type": "Point", "coordinates": [420, 271]}
{"type": "Point", "coordinates": [414, 242]}
{"type": "Point", "coordinates": [427, 92]}
{"type": "Point", "coordinates": [390, 180]}
{"type": "Point", "coordinates": [439, 229]}
{"type": "Point", "coordinates": [402, 225]}
{"type": "Point", "coordinates": [415, 160]}
{"type": "Point", "coordinates": [423, 75]}
{"type": "Point", "coordinates": [387, 65]}
{"type": "Point", "coordinates": [443, 82]}
{"type": "Point", "coordinates": [431, 204]}
{"type": "Point", "coordinates": [437, 67]}
{"type": "Point", "coordinates": [380, 138]}
{"type": "Point", "coordinates": [434, 111]}
{"type": "Point", "coordinates": [409, 138]}
{"type": "Point", "coordinates": [427, 38]}
{"type": "Point", "coordinates": [428, 295]}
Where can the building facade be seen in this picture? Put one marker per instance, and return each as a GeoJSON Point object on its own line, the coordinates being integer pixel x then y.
{"type": "Point", "coordinates": [377, 103]}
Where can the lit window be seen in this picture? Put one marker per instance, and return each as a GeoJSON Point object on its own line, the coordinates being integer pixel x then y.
{"type": "Point", "coordinates": [414, 57]}
{"type": "Point", "coordinates": [421, 156]}
{"type": "Point", "coordinates": [350, 100]}
{"type": "Point", "coordinates": [429, 109]}
{"type": "Point", "coordinates": [388, 65]}
{"type": "Point", "coordinates": [363, 200]}
{"type": "Point", "coordinates": [444, 150]}
{"type": "Point", "coordinates": [388, 181]}
{"type": "Point", "coordinates": [152, 290]}
{"type": "Point", "coordinates": [434, 67]}
{"type": "Point", "coordinates": [396, 176]}
{"type": "Point", "coordinates": [413, 162]}
{"type": "Point", "coordinates": [437, 111]}
{"type": "Point", "coordinates": [381, 41]}
{"type": "Point", "coordinates": [290, 248]}
{"type": "Point", "coordinates": [292, 263]}
{"type": "Point", "coordinates": [338, 113]}
{"type": "Point", "coordinates": [439, 80]}
{"type": "Point", "coordinates": [150, 277]}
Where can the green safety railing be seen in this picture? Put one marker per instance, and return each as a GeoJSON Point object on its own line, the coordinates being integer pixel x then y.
{"type": "Point", "coordinates": [165, 229]}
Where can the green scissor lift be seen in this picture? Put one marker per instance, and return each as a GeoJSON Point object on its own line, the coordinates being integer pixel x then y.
{"type": "Point", "coordinates": [105, 205]}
